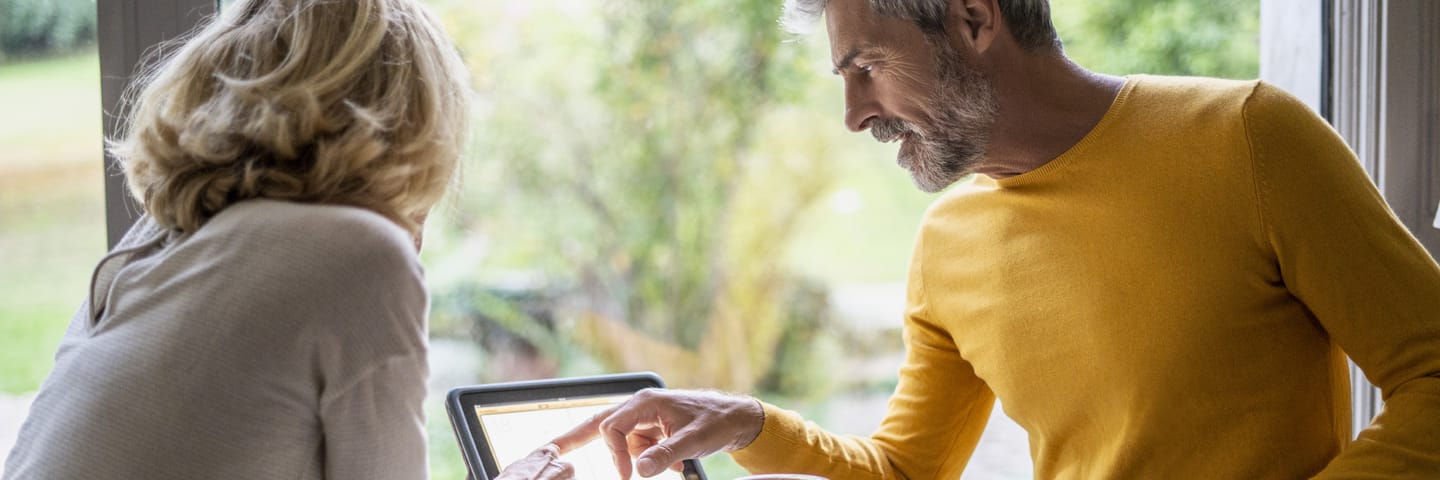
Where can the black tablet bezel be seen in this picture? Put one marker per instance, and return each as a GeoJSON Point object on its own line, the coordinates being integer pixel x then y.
{"type": "Point", "coordinates": [461, 403]}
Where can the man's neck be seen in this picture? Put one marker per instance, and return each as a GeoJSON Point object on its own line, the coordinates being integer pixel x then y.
{"type": "Point", "coordinates": [1047, 105]}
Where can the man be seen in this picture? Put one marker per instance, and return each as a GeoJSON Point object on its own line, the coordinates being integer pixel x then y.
{"type": "Point", "coordinates": [1160, 277]}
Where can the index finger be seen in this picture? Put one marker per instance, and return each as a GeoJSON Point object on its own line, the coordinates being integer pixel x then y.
{"type": "Point", "coordinates": [583, 433]}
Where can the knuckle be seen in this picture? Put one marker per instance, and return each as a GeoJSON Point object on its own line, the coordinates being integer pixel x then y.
{"type": "Point", "coordinates": [608, 426]}
{"type": "Point", "coordinates": [612, 431]}
{"type": "Point", "coordinates": [663, 452]}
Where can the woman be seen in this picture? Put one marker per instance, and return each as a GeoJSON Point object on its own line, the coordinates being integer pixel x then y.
{"type": "Point", "coordinates": [266, 318]}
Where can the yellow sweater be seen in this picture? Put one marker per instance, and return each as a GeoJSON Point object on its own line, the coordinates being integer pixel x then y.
{"type": "Point", "coordinates": [1168, 299]}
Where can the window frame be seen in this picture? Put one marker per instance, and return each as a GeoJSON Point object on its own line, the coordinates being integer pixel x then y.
{"type": "Point", "coordinates": [1386, 107]}
{"type": "Point", "coordinates": [127, 31]}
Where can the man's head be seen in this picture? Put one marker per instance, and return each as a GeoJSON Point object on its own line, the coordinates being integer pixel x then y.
{"type": "Point", "coordinates": [914, 71]}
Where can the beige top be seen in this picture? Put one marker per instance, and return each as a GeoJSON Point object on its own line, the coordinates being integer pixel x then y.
{"type": "Point", "coordinates": [279, 341]}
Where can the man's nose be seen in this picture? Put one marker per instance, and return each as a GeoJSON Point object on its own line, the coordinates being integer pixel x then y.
{"type": "Point", "coordinates": [860, 105]}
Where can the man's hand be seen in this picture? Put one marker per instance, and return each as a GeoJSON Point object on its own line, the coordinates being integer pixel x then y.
{"type": "Point", "coordinates": [664, 427]}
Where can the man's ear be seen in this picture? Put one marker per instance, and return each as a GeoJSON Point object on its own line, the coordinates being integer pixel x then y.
{"type": "Point", "coordinates": [973, 23]}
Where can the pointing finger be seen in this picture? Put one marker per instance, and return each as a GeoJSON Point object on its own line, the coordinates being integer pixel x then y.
{"type": "Point", "coordinates": [583, 433]}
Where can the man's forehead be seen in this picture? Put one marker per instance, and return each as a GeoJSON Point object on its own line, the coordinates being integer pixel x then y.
{"type": "Point", "coordinates": [849, 24]}
{"type": "Point", "coordinates": [854, 27]}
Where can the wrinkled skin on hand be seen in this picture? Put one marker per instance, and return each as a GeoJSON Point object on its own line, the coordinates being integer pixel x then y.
{"type": "Point", "coordinates": [660, 428]}
{"type": "Point", "coordinates": [542, 464]}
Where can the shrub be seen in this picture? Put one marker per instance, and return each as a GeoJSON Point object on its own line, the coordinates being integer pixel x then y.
{"type": "Point", "coordinates": [38, 27]}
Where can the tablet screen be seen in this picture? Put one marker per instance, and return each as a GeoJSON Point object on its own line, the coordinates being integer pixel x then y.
{"type": "Point", "coordinates": [515, 430]}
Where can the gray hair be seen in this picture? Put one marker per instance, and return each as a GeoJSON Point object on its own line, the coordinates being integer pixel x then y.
{"type": "Point", "coordinates": [1029, 20]}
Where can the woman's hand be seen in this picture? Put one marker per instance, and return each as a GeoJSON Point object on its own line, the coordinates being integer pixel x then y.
{"type": "Point", "coordinates": [542, 464]}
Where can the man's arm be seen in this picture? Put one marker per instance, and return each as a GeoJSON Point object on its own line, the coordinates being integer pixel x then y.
{"type": "Point", "coordinates": [936, 416]}
{"type": "Point", "coordinates": [1368, 282]}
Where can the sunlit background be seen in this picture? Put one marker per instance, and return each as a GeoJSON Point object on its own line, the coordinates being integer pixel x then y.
{"type": "Point", "coordinates": [653, 185]}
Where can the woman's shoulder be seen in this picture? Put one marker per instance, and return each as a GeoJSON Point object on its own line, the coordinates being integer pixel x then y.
{"type": "Point", "coordinates": [348, 261]}
{"type": "Point", "coordinates": [330, 231]}
{"type": "Point", "coordinates": [310, 246]}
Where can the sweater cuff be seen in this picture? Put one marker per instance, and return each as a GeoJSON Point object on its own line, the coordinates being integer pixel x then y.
{"type": "Point", "coordinates": [774, 448]}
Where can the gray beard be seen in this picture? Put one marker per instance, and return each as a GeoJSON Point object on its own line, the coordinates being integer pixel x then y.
{"type": "Point", "coordinates": [953, 144]}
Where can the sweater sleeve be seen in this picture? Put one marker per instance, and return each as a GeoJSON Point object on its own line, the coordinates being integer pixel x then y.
{"type": "Point", "coordinates": [1364, 277]}
{"type": "Point", "coordinates": [375, 428]}
{"type": "Point", "coordinates": [935, 418]}
{"type": "Point", "coordinates": [370, 347]}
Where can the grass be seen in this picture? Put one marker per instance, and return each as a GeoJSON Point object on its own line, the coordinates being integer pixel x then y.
{"type": "Point", "coordinates": [51, 111]}
{"type": "Point", "coordinates": [51, 207]}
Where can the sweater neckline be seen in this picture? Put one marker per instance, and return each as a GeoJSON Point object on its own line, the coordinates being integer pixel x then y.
{"type": "Point", "coordinates": [1077, 150]}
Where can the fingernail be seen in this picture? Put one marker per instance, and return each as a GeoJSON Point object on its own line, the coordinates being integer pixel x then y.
{"type": "Point", "coordinates": [647, 467]}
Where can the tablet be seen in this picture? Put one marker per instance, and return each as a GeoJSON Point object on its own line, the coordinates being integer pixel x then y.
{"type": "Point", "coordinates": [497, 424]}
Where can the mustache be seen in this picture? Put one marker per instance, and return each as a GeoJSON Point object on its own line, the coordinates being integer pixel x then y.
{"type": "Point", "coordinates": [887, 130]}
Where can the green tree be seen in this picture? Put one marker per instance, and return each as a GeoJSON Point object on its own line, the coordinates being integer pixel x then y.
{"type": "Point", "coordinates": [622, 135]}
{"type": "Point", "coordinates": [33, 27]}
{"type": "Point", "coordinates": [1217, 38]}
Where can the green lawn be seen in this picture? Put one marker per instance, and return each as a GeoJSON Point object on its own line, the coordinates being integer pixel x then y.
{"type": "Point", "coordinates": [51, 207]}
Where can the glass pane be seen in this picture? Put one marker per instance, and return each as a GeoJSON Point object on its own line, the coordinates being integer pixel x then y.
{"type": "Point", "coordinates": [655, 186]}
{"type": "Point", "coordinates": [668, 186]}
{"type": "Point", "coordinates": [52, 211]}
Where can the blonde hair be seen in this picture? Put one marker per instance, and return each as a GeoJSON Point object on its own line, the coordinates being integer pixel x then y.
{"type": "Point", "coordinates": [353, 102]}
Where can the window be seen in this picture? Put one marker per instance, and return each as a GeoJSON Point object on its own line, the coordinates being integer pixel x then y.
{"type": "Point", "coordinates": [654, 185]}
{"type": "Point", "coordinates": [668, 186]}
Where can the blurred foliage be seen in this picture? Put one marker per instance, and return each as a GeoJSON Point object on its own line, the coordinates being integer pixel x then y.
{"type": "Point", "coordinates": [1215, 38]}
{"type": "Point", "coordinates": [621, 135]}
{"type": "Point", "coordinates": [37, 27]}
